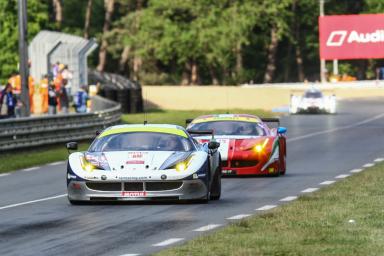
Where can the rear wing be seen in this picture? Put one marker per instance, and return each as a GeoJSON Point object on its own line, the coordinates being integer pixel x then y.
{"type": "Point", "coordinates": [201, 132]}
{"type": "Point", "coordinates": [271, 120]}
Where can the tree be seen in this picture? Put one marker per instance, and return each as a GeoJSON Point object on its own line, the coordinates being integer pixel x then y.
{"type": "Point", "coordinates": [37, 19]}
{"type": "Point", "coordinates": [109, 8]}
{"type": "Point", "coordinates": [88, 15]}
{"type": "Point", "coordinates": [58, 8]}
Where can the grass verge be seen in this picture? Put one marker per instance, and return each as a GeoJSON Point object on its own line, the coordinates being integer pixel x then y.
{"type": "Point", "coordinates": [38, 156]}
{"type": "Point", "coordinates": [16, 160]}
{"type": "Point", "coordinates": [316, 224]}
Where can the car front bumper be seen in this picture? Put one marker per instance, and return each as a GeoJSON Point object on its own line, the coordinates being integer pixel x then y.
{"type": "Point", "coordinates": [136, 191]}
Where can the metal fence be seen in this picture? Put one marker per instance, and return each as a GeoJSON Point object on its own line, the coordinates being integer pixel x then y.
{"type": "Point", "coordinates": [37, 131]}
{"type": "Point", "coordinates": [49, 47]}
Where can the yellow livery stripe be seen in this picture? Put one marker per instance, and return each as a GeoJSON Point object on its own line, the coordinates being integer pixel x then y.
{"type": "Point", "coordinates": [144, 129]}
{"type": "Point", "coordinates": [234, 118]}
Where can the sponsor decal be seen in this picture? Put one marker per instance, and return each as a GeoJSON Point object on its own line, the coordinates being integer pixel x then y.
{"type": "Point", "coordinates": [91, 177]}
{"type": "Point", "coordinates": [69, 176]}
{"type": "Point", "coordinates": [337, 38]}
{"type": "Point", "coordinates": [134, 193]}
{"type": "Point", "coordinates": [228, 172]}
{"type": "Point", "coordinates": [135, 162]}
{"type": "Point", "coordinates": [136, 155]}
{"type": "Point", "coordinates": [351, 36]}
{"type": "Point", "coordinates": [132, 178]}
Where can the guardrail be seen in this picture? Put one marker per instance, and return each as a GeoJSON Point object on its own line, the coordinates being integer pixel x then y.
{"type": "Point", "coordinates": [36, 131]}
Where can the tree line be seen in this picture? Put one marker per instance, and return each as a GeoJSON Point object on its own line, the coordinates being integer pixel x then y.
{"type": "Point", "coordinates": [192, 41]}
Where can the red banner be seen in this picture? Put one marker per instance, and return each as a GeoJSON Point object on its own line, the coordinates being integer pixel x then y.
{"type": "Point", "coordinates": [351, 36]}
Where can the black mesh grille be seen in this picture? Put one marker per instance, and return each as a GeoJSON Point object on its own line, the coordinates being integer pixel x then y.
{"type": "Point", "coordinates": [104, 186]}
{"type": "Point", "coordinates": [159, 186]}
{"type": "Point", "coordinates": [224, 163]}
{"type": "Point", "coordinates": [133, 186]}
{"type": "Point", "coordinates": [243, 163]}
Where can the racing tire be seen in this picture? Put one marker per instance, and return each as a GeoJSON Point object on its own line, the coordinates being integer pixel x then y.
{"type": "Point", "coordinates": [77, 202]}
{"type": "Point", "coordinates": [216, 186]}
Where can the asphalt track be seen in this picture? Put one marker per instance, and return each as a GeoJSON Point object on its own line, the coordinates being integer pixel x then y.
{"type": "Point", "coordinates": [36, 218]}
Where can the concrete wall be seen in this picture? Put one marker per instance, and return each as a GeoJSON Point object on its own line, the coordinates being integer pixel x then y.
{"type": "Point", "coordinates": [242, 97]}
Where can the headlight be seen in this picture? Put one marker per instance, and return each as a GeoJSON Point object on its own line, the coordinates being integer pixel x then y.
{"type": "Point", "coordinates": [182, 166]}
{"type": "Point", "coordinates": [89, 162]}
{"type": "Point", "coordinates": [258, 148]}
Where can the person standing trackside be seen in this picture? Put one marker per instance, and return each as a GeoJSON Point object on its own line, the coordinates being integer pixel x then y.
{"type": "Point", "coordinates": [81, 99]}
{"type": "Point", "coordinates": [7, 102]}
{"type": "Point", "coordinates": [63, 97]}
{"type": "Point", "coordinates": [52, 99]}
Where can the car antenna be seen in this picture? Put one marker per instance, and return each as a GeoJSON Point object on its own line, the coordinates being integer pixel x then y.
{"type": "Point", "coordinates": [227, 99]}
{"type": "Point", "coordinates": [145, 108]}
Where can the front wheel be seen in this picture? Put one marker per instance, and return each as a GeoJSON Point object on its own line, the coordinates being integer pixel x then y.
{"type": "Point", "coordinates": [216, 186]}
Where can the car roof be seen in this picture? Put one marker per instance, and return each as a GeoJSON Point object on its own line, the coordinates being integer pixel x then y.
{"type": "Point", "coordinates": [227, 117]}
{"type": "Point", "coordinates": [160, 128]}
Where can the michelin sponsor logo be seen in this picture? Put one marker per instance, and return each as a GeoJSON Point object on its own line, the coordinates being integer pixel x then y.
{"type": "Point", "coordinates": [339, 37]}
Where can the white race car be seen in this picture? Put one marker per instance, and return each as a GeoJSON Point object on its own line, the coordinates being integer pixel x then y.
{"type": "Point", "coordinates": [313, 101]}
{"type": "Point", "coordinates": [144, 162]}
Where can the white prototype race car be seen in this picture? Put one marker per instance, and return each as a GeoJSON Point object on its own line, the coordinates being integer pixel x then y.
{"type": "Point", "coordinates": [313, 101]}
{"type": "Point", "coordinates": [144, 162]}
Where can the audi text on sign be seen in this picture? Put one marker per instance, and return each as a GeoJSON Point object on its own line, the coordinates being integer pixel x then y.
{"type": "Point", "coordinates": [351, 36]}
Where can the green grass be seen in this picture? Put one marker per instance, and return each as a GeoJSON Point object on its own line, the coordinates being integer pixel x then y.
{"type": "Point", "coordinates": [20, 159]}
{"type": "Point", "coordinates": [179, 117]}
{"type": "Point", "coordinates": [316, 224]}
{"type": "Point", "coordinates": [28, 158]}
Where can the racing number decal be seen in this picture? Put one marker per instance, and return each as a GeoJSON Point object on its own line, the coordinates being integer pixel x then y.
{"type": "Point", "coordinates": [134, 193]}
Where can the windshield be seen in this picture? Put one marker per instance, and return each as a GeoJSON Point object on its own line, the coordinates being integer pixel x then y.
{"type": "Point", "coordinates": [141, 141]}
{"type": "Point", "coordinates": [313, 95]}
{"type": "Point", "coordinates": [230, 128]}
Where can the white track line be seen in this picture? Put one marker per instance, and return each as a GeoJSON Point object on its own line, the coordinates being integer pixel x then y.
{"type": "Point", "coordinates": [207, 227]}
{"type": "Point", "coordinates": [327, 182]}
{"type": "Point", "coordinates": [30, 169]}
{"type": "Point", "coordinates": [168, 242]}
{"type": "Point", "coordinates": [4, 174]}
{"type": "Point", "coordinates": [337, 129]}
{"type": "Point", "coordinates": [368, 165]}
{"type": "Point", "coordinates": [342, 176]}
{"type": "Point", "coordinates": [309, 190]}
{"type": "Point", "coordinates": [356, 170]}
{"type": "Point", "coordinates": [31, 202]}
{"type": "Point", "coordinates": [239, 217]}
{"type": "Point", "coordinates": [266, 207]}
{"type": "Point", "coordinates": [56, 163]}
{"type": "Point", "coordinates": [288, 198]}
{"type": "Point", "coordinates": [378, 160]}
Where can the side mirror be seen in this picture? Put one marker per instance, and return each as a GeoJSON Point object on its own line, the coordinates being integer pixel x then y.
{"type": "Point", "coordinates": [98, 133]}
{"type": "Point", "coordinates": [213, 145]}
{"type": "Point", "coordinates": [281, 130]}
{"type": "Point", "coordinates": [188, 121]}
{"type": "Point", "coordinates": [72, 146]}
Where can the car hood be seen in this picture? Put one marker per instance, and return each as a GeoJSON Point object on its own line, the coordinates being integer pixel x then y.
{"type": "Point", "coordinates": [135, 160]}
{"type": "Point", "coordinates": [231, 144]}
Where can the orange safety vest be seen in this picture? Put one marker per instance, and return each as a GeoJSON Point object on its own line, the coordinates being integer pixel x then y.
{"type": "Point", "coordinates": [44, 94]}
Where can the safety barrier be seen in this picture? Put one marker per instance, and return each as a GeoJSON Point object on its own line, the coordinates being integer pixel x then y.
{"type": "Point", "coordinates": [36, 131]}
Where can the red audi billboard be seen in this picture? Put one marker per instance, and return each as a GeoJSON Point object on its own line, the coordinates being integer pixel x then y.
{"type": "Point", "coordinates": [345, 37]}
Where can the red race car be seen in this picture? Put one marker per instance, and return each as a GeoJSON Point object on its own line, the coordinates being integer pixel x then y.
{"type": "Point", "coordinates": [248, 146]}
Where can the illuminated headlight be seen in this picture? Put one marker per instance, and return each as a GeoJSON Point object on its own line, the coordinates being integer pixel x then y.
{"type": "Point", "coordinates": [260, 147]}
{"type": "Point", "coordinates": [89, 162]}
{"type": "Point", "coordinates": [180, 167]}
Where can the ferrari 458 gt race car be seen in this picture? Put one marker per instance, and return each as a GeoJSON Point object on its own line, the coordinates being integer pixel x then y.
{"type": "Point", "coordinates": [247, 145]}
{"type": "Point", "coordinates": [313, 101]}
{"type": "Point", "coordinates": [144, 162]}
